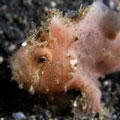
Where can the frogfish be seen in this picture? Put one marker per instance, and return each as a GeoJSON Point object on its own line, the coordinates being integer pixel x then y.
{"type": "Point", "coordinates": [70, 53]}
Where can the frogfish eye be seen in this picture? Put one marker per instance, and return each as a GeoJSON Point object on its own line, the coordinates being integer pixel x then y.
{"type": "Point", "coordinates": [42, 55]}
{"type": "Point", "coordinates": [42, 59]}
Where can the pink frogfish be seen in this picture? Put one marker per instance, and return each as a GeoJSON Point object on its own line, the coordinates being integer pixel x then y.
{"type": "Point", "coordinates": [70, 53]}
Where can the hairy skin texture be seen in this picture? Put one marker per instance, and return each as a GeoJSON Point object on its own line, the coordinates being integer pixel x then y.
{"type": "Point", "coordinates": [76, 53]}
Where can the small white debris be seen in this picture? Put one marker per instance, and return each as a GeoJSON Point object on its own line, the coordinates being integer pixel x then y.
{"type": "Point", "coordinates": [55, 18]}
{"type": "Point", "coordinates": [1, 32]}
{"type": "Point", "coordinates": [73, 64]}
{"type": "Point", "coordinates": [104, 49]}
{"type": "Point", "coordinates": [75, 103]}
{"type": "Point", "coordinates": [53, 4]}
{"type": "Point", "coordinates": [1, 59]}
{"type": "Point", "coordinates": [31, 89]}
{"type": "Point", "coordinates": [21, 85]}
{"type": "Point", "coordinates": [112, 4]}
{"type": "Point", "coordinates": [12, 47]}
{"type": "Point", "coordinates": [83, 34]}
{"type": "Point", "coordinates": [75, 68]}
{"type": "Point", "coordinates": [106, 83]}
{"type": "Point", "coordinates": [65, 89]}
{"type": "Point", "coordinates": [2, 118]}
{"type": "Point", "coordinates": [19, 116]}
{"type": "Point", "coordinates": [57, 82]}
{"type": "Point", "coordinates": [46, 8]}
{"type": "Point", "coordinates": [24, 44]}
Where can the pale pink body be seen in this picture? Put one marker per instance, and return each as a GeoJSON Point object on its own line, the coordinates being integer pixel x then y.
{"type": "Point", "coordinates": [77, 53]}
